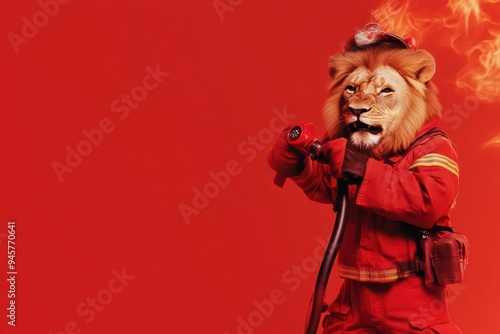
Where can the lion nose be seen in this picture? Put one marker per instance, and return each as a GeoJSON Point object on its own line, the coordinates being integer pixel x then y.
{"type": "Point", "coordinates": [358, 112]}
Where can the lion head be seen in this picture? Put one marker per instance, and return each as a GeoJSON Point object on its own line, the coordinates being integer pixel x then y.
{"type": "Point", "coordinates": [380, 97]}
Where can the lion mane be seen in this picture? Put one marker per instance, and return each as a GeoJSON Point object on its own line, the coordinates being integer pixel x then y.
{"type": "Point", "coordinates": [416, 102]}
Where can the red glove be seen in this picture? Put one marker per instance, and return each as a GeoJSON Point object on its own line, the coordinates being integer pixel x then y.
{"type": "Point", "coordinates": [345, 162]}
{"type": "Point", "coordinates": [285, 159]}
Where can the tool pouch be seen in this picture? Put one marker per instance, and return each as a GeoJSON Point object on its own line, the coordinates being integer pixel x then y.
{"type": "Point", "coordinates": [446, 255]}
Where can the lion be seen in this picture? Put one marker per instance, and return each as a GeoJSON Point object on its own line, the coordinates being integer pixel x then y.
{"type": "Point", "coordinates": [380, 97]}
{"type": "Point", "coordinates": [385, 157]}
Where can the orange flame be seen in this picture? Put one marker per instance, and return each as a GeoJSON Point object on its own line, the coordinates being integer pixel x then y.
{"type": "Point", "coordinates": [462, 9]}
{"type": "Point", "coordinates": [492, 142]}
{"type": "Point", "coordinates": [397, 17]}
{"type": "Point", "coordinates": [481, 74]}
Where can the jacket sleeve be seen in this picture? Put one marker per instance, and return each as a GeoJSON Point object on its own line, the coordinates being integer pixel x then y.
{"type": "Point", "coordinates": [317, 182]}
{"type": "Point", "coordinates": [419, 195]}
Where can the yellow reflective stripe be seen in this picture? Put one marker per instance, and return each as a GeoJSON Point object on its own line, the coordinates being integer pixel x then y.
{"type": "Point", "coordinates": [454, 171]}
{"type": "Point", "coordinates": [372, 275]}
{"type": "Point", "coordinates": [438, 157]}
{"type": "Point", "coordinates": [438, 160]}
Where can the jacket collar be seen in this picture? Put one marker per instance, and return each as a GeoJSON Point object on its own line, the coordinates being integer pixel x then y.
{"type": "Point", "coordinates": [432, 123]}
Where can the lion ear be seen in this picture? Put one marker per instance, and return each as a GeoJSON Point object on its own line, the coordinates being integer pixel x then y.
{"type": "Point", "coordinates": [425, 66]}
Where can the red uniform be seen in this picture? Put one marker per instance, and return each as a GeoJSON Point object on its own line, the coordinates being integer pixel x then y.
{"type": "Point", "coordinates": [381, 293]}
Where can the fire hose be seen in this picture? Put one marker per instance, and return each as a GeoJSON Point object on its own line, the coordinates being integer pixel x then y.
{"type": "Point", "coordinates": [301, 137]}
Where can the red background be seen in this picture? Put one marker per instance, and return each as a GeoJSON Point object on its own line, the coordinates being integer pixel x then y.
{"type": "Point", "coordinates": [120, 207]}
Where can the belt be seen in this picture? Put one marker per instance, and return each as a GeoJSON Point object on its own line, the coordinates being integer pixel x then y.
{"type": "Point", "coordinates": [403, 269]}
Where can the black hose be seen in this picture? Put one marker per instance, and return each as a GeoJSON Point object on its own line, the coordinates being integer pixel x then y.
{"type": "Point", "coordinates": [330, 254]}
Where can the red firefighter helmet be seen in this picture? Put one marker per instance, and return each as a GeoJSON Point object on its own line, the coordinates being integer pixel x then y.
{"type": "Point", "coordinates": [373, 34]}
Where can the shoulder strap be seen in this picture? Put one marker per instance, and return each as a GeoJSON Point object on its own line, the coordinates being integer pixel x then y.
{"type": "Point", "coordinates": [431, 133]}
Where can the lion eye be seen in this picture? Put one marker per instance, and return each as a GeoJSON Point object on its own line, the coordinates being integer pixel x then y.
{"type": "Point", "coordinates": [387, 90]}
{"type": "Point", "coordinates": [350, 88]}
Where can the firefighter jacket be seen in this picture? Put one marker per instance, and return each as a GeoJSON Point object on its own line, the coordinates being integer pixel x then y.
{"type": "Point", "coordinates": [397, 196]}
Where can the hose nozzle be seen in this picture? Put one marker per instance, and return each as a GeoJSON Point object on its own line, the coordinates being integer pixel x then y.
{"type": "Point", "coordinates": [301, 137]}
